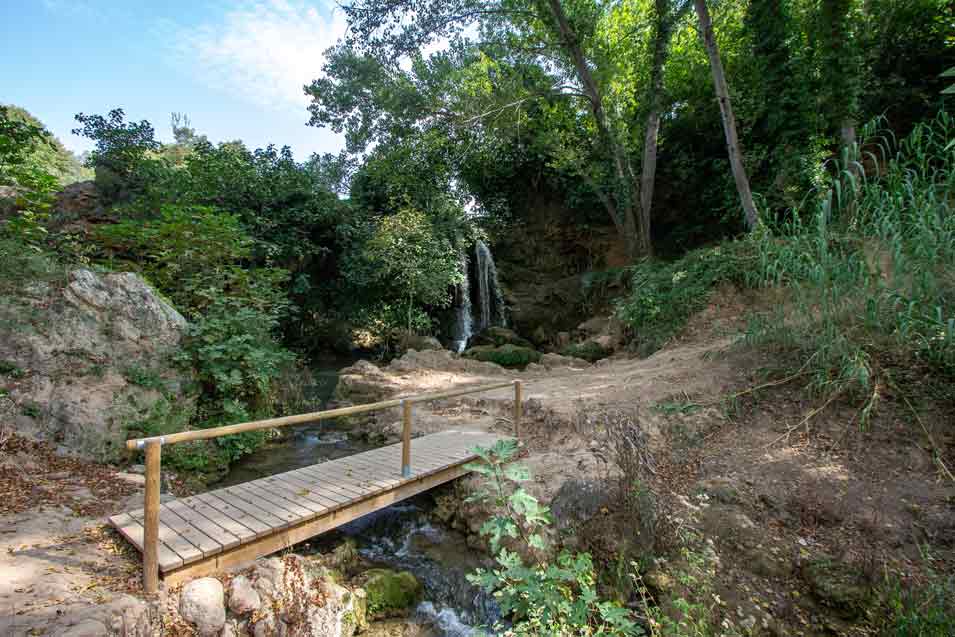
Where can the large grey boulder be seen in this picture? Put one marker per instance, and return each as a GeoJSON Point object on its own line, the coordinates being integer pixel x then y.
{"type": "Point", "coordinates": [202, 603]}
{"type": "Point", "coordinates": [88, 360]}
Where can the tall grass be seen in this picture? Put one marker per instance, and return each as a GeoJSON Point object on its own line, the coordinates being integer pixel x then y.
{"type": "Point", "coordinates": [871, 266]}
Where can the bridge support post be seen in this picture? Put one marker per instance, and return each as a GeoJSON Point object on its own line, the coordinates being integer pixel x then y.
{"type": "Point", "coordinates": [151, 518]}
{"type": "Point", "coordinates": [406, 438]}
{"type": "Point", "coordinates": [518, 408]}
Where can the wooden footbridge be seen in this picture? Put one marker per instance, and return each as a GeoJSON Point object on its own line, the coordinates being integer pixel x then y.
{"type": "Point", "coordinates": [194, 536]}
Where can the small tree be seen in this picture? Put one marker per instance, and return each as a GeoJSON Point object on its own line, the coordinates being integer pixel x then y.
{"type": "Point", "coordinates": [121, 147]}
{"type": "Point", "coordinates": [410, 256]}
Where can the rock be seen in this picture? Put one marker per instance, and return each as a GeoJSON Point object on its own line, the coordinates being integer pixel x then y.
{"type": "Point", "coordinates": [86, 628]}
{"type": "Point", "coordinates": [418, 342]}
{"type": "Point", "coordinates": [96, 362]}
{"type": "Point", "coordinates": [497, 336]}
{"type": "Point", "coordinates": [132, 478]}
{"type": "Point", "coordinates": [838, 586]}
{"type": "Point", "coordinates": [364, 383]}
{"type": "Point", "coordinates": [77, 201]}
{"type": "Point", "coordinates": [414, 362]}
{"type": "Point", "coordinates": [594, 326]}
{"type": "Point", "coordinates": [390, 593]}
{"type": "Point", "coordinates": [504, 355]}
{"type": "Point", "coordinates": [344, 557]}
{"type": "Point", "coordinates": [554, 361]}
{"type": "Point", "coordinates": [242, 597]}
{"type": "Point", "coordinates": [577, 501]}
{"type": "Point", "coordinates": [202, 603]}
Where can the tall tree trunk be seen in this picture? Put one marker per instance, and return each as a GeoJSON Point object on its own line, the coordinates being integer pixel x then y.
{"type": "Point", "coordinates": [652, 135]}
{"type": "Point", "coordinates": [626, 181]}
{"type": "Point", "coordinates": [726, 112]}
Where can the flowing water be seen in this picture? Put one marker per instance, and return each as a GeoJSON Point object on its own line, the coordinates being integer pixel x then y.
{"type": "Point", "coordinates": [306, 444]}
{"type": "Point", "coordinates": [399, 537]}
{"type": "Point", "coordinates": [478, 300]}
{"type": "Point", "coordinates": [403, 537]}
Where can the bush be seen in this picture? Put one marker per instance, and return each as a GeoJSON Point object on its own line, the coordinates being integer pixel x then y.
{"type": "Point", "coordinates": [589, 351]}
{"type": "Point", "coordinates": [505, 355]}
{"type": "Point", "coordinates": [543, 598]}
{"type": "Point", "coordinates": [664, 295]}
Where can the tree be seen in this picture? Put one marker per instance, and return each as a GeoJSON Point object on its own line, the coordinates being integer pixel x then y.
{"type": "Point", "coordinates": [751, 217]}
{"type": "Point", "coordinates": [121, 147]}
{"type": "Point", "coordinates": [666, 16]}
{"type": "Point", "coordinates": [554, 37]}
{"type": "Point", "coordinates": [840, 68]}
{"type": "Point", "coordinates": [410, 256]}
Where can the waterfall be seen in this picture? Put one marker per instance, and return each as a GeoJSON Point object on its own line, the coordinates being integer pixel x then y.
{"type": "Point", "coordinates": [490, 300]}
{"type": "Point", "coordinates": [461, 329]}
{"type": "Point", "coordinates": [478, 301]}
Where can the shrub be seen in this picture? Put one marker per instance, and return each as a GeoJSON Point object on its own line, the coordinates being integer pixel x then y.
{"type": "Point", "coordinates": [544, 597]}
{"type": "Point", "coordinates": [505, 355]}
{"type": "Point", "coordinates": [664, 295]}
{"type": "Point", "coordinates": [589, 351]}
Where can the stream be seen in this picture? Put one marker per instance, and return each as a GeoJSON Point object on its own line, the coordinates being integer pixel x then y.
{"type": "Point", "coordinates": [401, 537]}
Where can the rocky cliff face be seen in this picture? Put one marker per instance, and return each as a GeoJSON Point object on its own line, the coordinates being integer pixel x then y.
{"type": "Point", "coordinates": [85, 361]}
{"type": "Point", "coordinates": [547, 266]}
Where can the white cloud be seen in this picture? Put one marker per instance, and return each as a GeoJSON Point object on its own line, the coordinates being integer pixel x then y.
{"type": "Point", "coordinates": [262, 51]}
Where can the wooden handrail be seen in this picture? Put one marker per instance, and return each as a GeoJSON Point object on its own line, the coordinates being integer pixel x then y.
{"type": "Point", "coordinates": [299, 419]}
{"type": "Point", "coordinates": [153, 446]}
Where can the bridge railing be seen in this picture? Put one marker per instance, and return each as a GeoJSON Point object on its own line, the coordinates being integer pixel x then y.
{"type": "Point", "coordinates": [153, 451]}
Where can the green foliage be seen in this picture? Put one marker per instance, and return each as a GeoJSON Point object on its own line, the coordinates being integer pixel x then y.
{"type": "Point", "coordinates": [237, 360]}
{"type": "Point", "coordinates": [589, 351]}
{"type": "Point", "coordinates": [121, 149]}
{"type": "Point", "coordinates": [664, 295]}
{"type": "Point", "coordinates": [504, 355]}
{"type": "Point", "coordinates": [918, 611]}
{"type": "Point", "coordinates": [544, 598]}
{"type": "Point", "coordinates": [37, 148]}
{"type": "Point", "coordinates": [870, 269]}
{"type": "Point", "coordinates": [412, 258]}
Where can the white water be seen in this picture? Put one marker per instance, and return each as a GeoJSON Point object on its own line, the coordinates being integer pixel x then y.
{"type": "Point", "coordinates": [487, 307]}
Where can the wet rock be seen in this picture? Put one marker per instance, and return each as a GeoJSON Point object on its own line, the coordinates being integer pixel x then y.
{"type": "Point", "coordinates": [202, 603]}
{"type": "Point", "coordinates": [243, 598]}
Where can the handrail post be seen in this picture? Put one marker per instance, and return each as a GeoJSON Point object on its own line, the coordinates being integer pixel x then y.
{"type": "Point", "coordinates": [406, 438]}
{"type": "Point", "coordinates": [518, 408]}
{"type": "Point", "coordinates": [151, 518]}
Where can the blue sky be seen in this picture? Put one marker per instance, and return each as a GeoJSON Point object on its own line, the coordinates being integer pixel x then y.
{"type": "Point", "coordinates": [235, 67]}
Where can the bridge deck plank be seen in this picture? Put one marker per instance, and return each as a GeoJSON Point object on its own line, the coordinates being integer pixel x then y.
{"type": "Point", "coordinates": [224, 520]}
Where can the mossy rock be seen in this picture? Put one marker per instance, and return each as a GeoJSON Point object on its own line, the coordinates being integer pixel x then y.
{"type": "Point", "coordinates": [838, 586]}
{"type": "Point", "coordinates": [505, 355]}
{"type": "Point", "coordinates": [588, 350]}
{"type": "Point", "coordinates": [498, 336]}
{"type": "Point", "coordinates": [390, 593]}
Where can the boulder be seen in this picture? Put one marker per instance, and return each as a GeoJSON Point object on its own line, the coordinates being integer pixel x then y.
{"type": "Point", "coordinates": [89, 360]}
{"type": "Point", "coordinates": [498, 336]}
{"type": "Point", "coordinates": [412, 362]}
{"type": "Point", "coordinates": [362, 383]}
{"type": "Point", "coordinates": [202, 603]}
{"type": "Point", "coordinates": [504, 355]}
{"type": "Point", "coordinates": [390, 593]}
{"type": "Point", "coordinates": [300, 597]}
{"type": "Point", "coordinates": [577, 501]}
{"type": "Point", "coordinates": [418, 342]}
{"type": "Point", "coordinates": [554, 361]}
{"type": "Point", "coordinates": [243, 598]}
